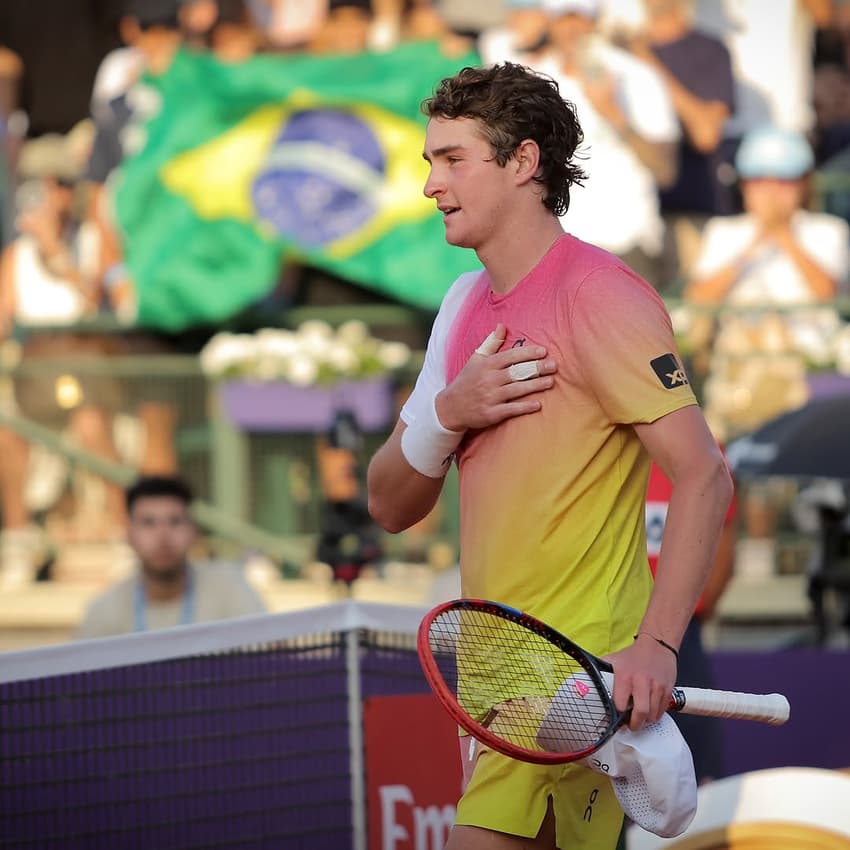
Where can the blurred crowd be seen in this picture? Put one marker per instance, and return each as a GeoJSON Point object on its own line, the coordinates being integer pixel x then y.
{"type": "Point", "coordinates": [717, 144]}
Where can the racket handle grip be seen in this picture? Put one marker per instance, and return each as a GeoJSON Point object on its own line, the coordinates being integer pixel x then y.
{"type": "Point", "coordinates": [766, 708]}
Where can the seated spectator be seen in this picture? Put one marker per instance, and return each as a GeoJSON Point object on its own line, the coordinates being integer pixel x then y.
{"type": "Point", "coordinates": [519, 39]}
{"type": "Point", "coordinates": [776, 252]}
{"type": "Point", "coordinates": [47, 281]}
{"type": "Point", "coordinates": [168, 589]}
{"type": "Point", "coordinates": [697, 71]}
{"type": "Point", "coordinates": [630, 134]}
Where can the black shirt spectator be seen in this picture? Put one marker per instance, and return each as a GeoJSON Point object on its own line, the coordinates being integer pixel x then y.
{"type": "Point", "coordinates": [702, 65]}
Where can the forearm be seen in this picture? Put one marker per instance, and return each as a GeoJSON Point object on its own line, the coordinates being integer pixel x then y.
{"type": "Point", "coordinates": [820, 282]}
{"type": "Point", "coordinates": [702, 120]}
{"type": "Point", "coordinates": [694, 522]}
{"type": "Point", "coordinates": [714, 288]}
{"type": "Point", "coordinates": [721, 571]}
{"type": "Point", "coordinates": [399, 496]}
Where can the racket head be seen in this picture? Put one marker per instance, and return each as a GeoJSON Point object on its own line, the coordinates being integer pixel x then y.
{"type": "Point", "coordinates": [515, 684]}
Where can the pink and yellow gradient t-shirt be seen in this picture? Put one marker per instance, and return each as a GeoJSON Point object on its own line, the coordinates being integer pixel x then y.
{"type": "Point", "coordinates": [552, 503]}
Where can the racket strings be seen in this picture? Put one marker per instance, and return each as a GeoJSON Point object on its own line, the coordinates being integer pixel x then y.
{"type": "Point", "coordinates": [517, 684]}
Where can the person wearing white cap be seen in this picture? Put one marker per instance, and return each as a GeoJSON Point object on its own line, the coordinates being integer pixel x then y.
{"type": "Point", "coordinates": [551, 377]}
{"type": "Point", "coordinates": [777, 251]}
{"type": "Point", "coordinates": [630, 131]}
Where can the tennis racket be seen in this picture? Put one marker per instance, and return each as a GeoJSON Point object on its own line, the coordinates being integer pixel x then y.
{"type": "Point", "coordinates": [524, 690]}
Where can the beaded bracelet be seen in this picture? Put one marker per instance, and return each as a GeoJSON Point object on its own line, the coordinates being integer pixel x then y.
{"type": "Point", "coordinates": [662, 642]}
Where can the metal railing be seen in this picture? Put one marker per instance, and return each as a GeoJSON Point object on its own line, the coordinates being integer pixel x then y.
{"type": "Point", "coordinates": [208, 517]}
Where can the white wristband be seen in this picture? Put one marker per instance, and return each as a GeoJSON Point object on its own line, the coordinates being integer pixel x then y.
{"type": "Point", "coordinates": [428, 446]}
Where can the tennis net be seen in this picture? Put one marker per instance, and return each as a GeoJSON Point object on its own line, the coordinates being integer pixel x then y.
{"type": "Point", "coordinates": [239, 734]}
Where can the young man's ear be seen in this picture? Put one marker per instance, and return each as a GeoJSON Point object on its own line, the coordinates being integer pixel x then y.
{"type": "Point", "coordinates": [527, 160]}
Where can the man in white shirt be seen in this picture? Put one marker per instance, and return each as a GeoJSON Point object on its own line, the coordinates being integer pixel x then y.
{"type": "Point", "coordinates": [776, 252]}
{"type": "Point", "coordinates": [630, 134]}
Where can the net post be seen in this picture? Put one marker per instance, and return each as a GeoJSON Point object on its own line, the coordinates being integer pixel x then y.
{"type": "Point", "coordinates": [355, 739]}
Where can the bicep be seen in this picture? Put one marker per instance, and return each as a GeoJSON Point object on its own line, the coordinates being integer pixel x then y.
{"type": "Point", "coordinates": [623, 340]}
{"type": "Point", "coordinates": [679, 441]}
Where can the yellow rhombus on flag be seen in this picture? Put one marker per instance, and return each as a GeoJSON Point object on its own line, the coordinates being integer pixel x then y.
{"type": "Point", "coordinates": [317, 156]}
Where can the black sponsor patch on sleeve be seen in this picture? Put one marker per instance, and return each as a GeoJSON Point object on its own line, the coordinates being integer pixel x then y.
{"type": "Point", "coordinates": [669, 372]}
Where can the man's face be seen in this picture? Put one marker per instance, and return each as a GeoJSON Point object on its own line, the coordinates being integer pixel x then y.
{"type": "Point", "coordinates": [161, 533]}
{"type": "Point", "coordinates": [471, 189]}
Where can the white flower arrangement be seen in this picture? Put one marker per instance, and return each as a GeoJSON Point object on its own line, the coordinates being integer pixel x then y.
{"type": "Point", "coordinates": [760, 360]}
{"type": "Point", "coordinates": [313, 355]}
{"type": "Point", "coordinates": [816, 335]}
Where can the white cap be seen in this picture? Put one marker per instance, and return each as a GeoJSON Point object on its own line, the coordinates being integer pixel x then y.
{"type": "Point", "coordinates": [651, 771]}
{"type": "Point", "coordinates": [771, 152]}
{"type": "Point", "coordinates": [588, 8]}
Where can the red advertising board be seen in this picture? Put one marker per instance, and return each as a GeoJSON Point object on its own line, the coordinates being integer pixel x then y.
{"type": "Point", "coordinates": [413, 773]}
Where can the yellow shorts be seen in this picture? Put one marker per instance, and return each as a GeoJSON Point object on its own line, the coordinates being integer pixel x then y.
{"type": "Point", "coordinates": [511, 796]}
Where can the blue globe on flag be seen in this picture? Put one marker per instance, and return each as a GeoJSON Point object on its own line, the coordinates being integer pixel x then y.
{"type": "Point", "coordinates": [322, 179]}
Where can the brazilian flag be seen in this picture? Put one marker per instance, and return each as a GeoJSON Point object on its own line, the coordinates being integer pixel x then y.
{"type": "Point", "coordinates": [320, 158]}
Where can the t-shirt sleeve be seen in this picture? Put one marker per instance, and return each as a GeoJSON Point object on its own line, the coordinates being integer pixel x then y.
{"type": "Point", "coordinates": [432, 377]}
{"type": "Point", "coordinates": [624, 345]}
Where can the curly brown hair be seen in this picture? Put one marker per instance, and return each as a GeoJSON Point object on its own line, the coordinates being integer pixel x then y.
{"type": "Point", "coordinates": [513, 103]}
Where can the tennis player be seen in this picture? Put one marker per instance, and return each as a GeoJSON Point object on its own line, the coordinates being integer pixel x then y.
{"type": "Point", "coordinates": [552, 378]}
